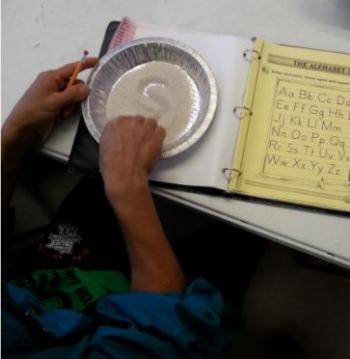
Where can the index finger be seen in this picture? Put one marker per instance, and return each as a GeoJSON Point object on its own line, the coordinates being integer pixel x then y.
{"type": "Point", "coordinates": [68, 69]}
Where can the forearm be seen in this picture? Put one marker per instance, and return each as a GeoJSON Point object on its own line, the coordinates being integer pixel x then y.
{"type": "Point", "coordinates": [14, 147]}
{"type": "Point", "coordinates": [154, 266]}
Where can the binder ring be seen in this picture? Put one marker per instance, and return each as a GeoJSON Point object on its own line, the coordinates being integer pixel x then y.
{"type": "Point", "coordinates": [251, 55]}
{"type": "Point", "coordinates": [239, 111]}
{"type": "Point", "coordinates": [232, 171]}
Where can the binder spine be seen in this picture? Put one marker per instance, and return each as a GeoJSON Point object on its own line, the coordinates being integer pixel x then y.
{"type": "Point", "coordinates": [244, 112]}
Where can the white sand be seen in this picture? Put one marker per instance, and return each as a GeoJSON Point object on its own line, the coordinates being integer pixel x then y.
{"type": "Point", "coordinates": [158, 90]}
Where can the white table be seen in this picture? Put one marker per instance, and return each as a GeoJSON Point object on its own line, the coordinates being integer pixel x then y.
{"type": "Point", "coordinates": [38, 35]}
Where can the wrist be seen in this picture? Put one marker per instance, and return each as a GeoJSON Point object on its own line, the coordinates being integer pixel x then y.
{"type": "Point", "coordinates": [10, 132]}
{"type": "Point", "coordinates": [124, 195]}
{"type": "Point", "coordinates": [14, 131]}
{"type": "Point", "coordinates": [13, 142]}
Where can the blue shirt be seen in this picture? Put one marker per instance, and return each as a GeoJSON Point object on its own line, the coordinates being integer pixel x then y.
{"type": "Point", "coordinates": [128, 325]}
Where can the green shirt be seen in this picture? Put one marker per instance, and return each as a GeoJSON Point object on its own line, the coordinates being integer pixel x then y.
{"type": "Point", "coordinates": [72, 288]}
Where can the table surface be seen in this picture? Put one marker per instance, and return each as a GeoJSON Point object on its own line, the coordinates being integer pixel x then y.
{"type": "Point", "coordinates": [43, 34]}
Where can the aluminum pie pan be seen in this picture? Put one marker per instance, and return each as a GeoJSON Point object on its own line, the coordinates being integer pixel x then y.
{"type": "Point", "coordinates": [118, 63]}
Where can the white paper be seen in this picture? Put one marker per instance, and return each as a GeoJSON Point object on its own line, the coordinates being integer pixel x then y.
{"type": "Point", "coordinates": [201, 165]}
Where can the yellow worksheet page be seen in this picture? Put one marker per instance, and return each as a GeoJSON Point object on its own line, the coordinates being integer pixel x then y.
{"type": "Point", "coordinates": [296, 145]}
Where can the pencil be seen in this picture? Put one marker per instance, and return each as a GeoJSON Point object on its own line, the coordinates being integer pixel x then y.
{"type": "Point", "coordinates": [77, 69]}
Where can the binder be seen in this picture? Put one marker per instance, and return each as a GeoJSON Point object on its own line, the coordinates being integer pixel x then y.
{"type": "Point", "coordinates": [250, 72]}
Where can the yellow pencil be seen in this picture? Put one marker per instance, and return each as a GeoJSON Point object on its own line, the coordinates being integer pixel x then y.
{"type": "Point", "coordinates": [77, 69]}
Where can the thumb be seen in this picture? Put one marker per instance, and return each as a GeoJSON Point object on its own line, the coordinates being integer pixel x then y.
{"type": "Point", "coordinates": [73, 94]}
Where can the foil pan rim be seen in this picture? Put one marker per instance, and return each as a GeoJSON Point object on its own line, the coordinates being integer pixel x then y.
{"type": "Point", "coordinates": [213, 97]}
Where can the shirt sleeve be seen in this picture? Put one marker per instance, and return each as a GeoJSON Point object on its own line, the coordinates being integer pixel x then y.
{"type": "Point", "coordinates": [142, 324]}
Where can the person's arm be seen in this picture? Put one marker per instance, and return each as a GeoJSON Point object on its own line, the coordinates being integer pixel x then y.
{"type": "Point", "coordinates": [33, 118]}
{"type": "Point", "coordinates": [129, 148]}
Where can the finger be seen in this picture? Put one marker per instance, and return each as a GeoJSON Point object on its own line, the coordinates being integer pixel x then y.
{"type": "Point", "coordinates": [62, 82]}
{"type": "Point", "coordinates": [78, 81]}
{"type": "Point", "coordinates": [72, 94]}
{"type": "Point", "coordinates": [154, 148]}
{"type": "Point", "coordinates": [149, 127]}
{"type": "Point", "coordinates": [121, 122]}
{"type": "Point", "coordinates": [160, 134]}
{"type": "Point", "coordinates": [136, 120]}
{"type": "Point", "coordinates": [68, 111]}
{"type": "Point", "coordinates": [68, 69]}
{"type": "Point", "coordinates": [152, 123]}
{"type": "Point", "coordinates": [157, 140]}
{"type": "Point", "coordinates": [134, 124]}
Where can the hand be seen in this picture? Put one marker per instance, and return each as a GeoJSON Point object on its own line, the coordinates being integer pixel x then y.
{"type": "Point", "coordinates": [129, 149]}
{"type": "Point", "coordinates": [43, 103]}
